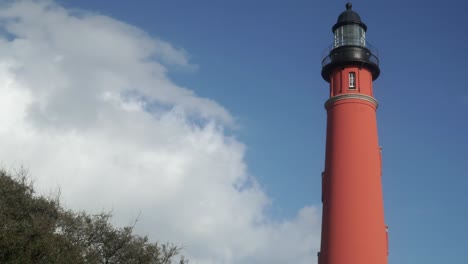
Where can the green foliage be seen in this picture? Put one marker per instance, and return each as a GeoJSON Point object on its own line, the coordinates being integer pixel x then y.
{"type": "Point", "coordinates": [36, 229]}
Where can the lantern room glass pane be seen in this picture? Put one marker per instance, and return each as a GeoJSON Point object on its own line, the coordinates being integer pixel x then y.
{"type": "Point", "coordinates": [350, 35]}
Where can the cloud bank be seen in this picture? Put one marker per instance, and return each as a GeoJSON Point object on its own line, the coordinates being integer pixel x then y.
{"type": "Point", "coordinates": [86, 104]}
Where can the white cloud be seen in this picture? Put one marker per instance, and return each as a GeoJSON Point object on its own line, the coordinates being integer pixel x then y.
{"type": "Point", "coordinates": [86, 104]}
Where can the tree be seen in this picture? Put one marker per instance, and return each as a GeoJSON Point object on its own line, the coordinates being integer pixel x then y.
{"type": "Point", "coordinates": [36, 229]}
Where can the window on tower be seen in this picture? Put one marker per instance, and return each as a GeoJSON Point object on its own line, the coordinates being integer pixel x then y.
{"type": "Point", "coordinates": [352, 80]}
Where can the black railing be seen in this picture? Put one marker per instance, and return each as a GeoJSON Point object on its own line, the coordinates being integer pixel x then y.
{"type": "Point", "coordinates": [373, 55]}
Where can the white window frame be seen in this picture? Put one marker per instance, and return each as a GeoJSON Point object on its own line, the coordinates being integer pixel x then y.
{"type": "Point", "coordinates": [352, 80]}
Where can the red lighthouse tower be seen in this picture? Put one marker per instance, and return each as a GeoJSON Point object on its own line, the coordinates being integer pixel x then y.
{"type": "Point", "coordinates": [353, 228]}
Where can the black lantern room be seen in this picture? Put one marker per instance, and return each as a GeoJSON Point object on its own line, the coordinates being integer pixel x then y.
{"type": "Point", "coordinates": [350, 46]}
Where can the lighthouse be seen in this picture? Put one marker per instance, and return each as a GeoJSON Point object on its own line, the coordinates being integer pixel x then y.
{"type": "Point", "coordinates": [353, 227]}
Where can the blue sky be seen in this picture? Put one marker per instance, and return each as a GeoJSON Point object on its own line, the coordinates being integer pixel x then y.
{"type": "Point", "coordinates": [260, 60]}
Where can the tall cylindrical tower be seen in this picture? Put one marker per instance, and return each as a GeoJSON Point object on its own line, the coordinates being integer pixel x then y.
{"type": "Point", "coordinates": [353, 228]}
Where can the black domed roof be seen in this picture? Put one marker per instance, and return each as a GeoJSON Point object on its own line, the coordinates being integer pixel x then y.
{"type": "Point", "coordinates": [349, 17]}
